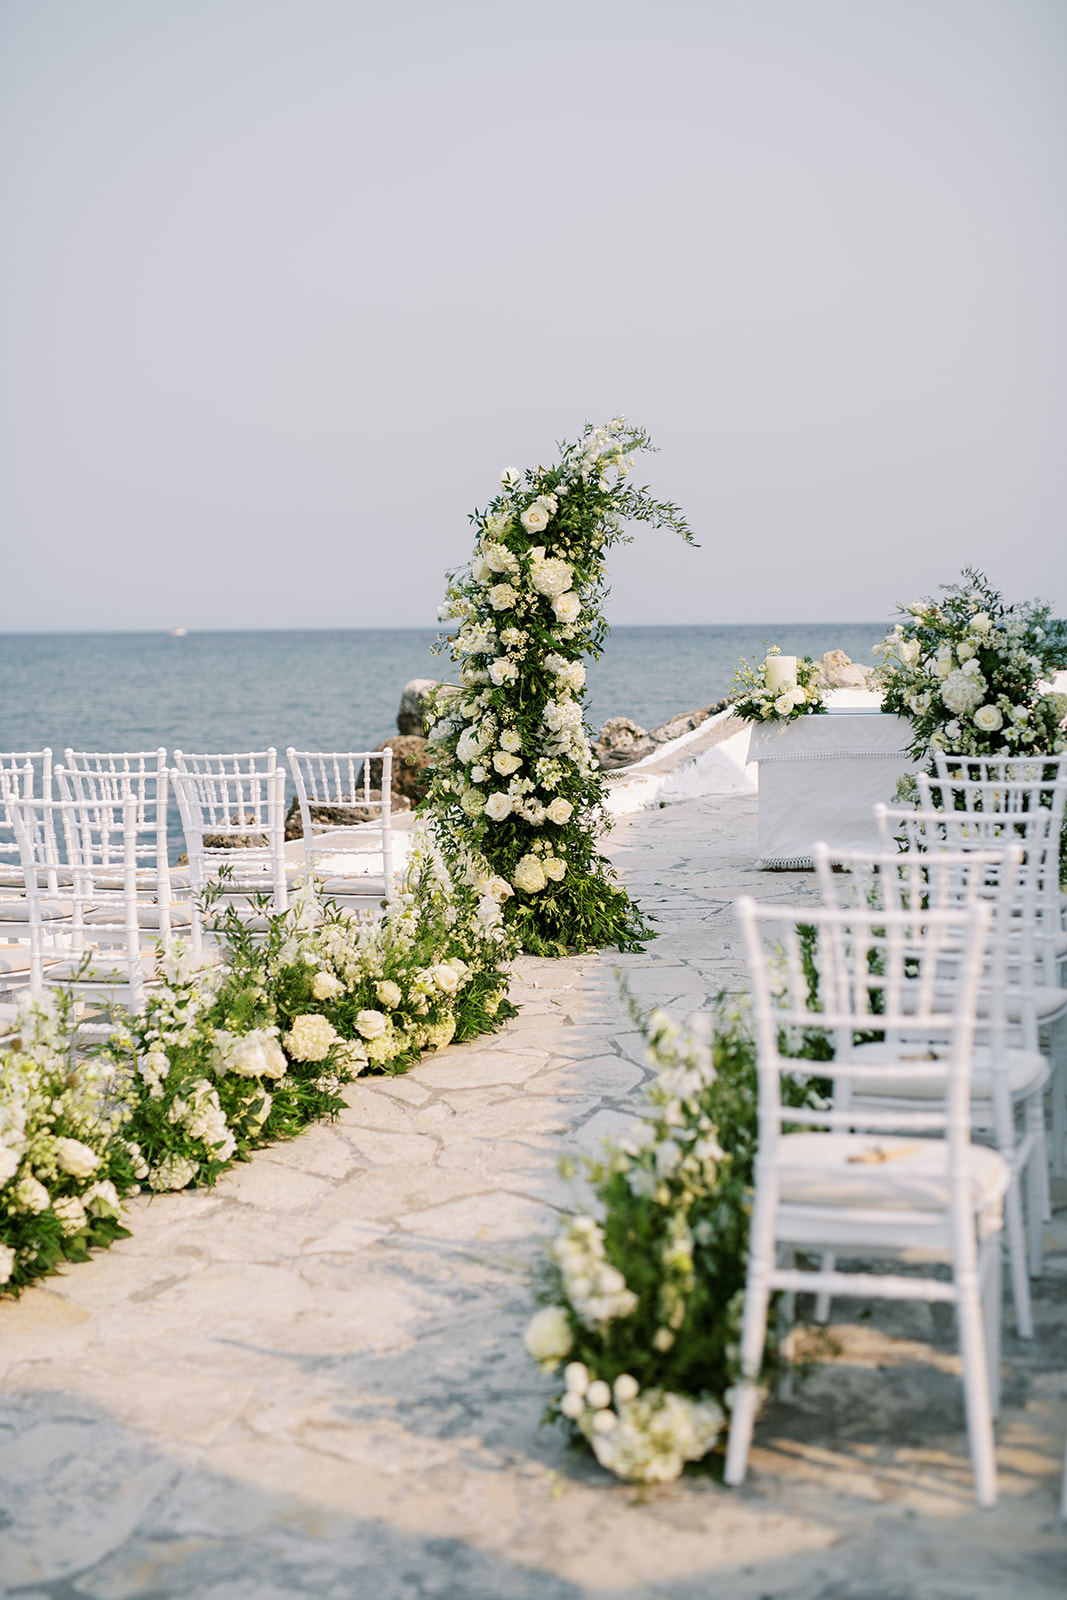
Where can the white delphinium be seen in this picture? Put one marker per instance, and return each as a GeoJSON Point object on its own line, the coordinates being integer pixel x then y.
{"type": "Point", "coordinates": [596, 1290]}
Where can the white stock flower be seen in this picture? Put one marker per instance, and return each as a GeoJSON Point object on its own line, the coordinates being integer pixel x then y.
{"type": "Point", "coordinates": [311, 1037]}
{"type": "Point", "coordinates": [498, 557]}
{"type": "Point", "coordinates": [559, 811]}
{"type": "Point", "coordinates": [498, 806]}
{"type": "Point", "coordinates": [76, 1158]}
{"type": "Point", "coordinates": [325, 986]}
{"type": "Point", "coordinates": [529, 875]}
{"type": "Point", "coordinates": [567, 606]}
{"type": "Point", "coordinates": [371, 1024]}
{"type": "Point", "coordinates": [988, 718]}
{"type": "Point", "coordinates": [548, 1337]}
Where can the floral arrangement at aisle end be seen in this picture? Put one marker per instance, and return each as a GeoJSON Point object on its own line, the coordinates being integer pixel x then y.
{"type": "Point", "coordinates": [779, 689]}
{"type": "Point", "coordinates": [642, 1302]}
{"type": "Point", "coordinates": [517, 796]}
{"type": "Point", "coordinates": [966, 671]}
{"type": "Point", "coordinates": [230, 1057]}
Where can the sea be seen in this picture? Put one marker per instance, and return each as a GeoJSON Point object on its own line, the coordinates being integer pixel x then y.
{"type": "Point", "coordinates": [324, 690]}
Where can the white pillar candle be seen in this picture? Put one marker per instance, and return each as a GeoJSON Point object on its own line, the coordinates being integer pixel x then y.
{"type": "Point", "coordinates": [781, 672]}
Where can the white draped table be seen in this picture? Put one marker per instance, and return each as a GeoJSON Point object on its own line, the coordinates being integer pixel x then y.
{"type": "Point", "coordinates": [820, 778]}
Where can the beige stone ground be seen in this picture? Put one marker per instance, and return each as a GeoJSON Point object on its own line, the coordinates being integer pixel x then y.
{"type": "Point", "coordinates": [310, 1381]}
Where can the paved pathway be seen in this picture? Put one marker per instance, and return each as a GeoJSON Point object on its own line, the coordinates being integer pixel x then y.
{"type": "Point", "coordinates": [310, 1381]}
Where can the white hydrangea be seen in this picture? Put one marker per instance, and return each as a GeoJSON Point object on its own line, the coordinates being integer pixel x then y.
{"type": "Point", "coordinates": [651, 1435]}
{"type": "Point", "coordinates": [529, 874]}
{"type": "Point", "coordinates": [551, 576]}
{"type": "Point", "coordinates": [963, 691]}
{"type": "Point", "coordinates": [173, 1172]}
{"type": "Point", "coordinates": [311, 1037]}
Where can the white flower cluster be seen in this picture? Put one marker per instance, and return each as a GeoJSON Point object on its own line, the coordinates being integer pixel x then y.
{"type": "Point", "coordinates": [643, 1437]}
{"type": "Point", "coordinates": [596, 1290]}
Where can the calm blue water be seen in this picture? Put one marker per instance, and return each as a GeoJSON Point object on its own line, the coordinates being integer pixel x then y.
{"type": "Point", "coordinates": [331, 691]}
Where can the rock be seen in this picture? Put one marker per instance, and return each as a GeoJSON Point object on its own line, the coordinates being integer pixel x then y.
{"type": "Point", "coordinates": [686, 721]}
{"type": "Point", "coordinates": [411, 765]}
{"type": "Point", "coordinates": [839, 671]}
{"type": "Point", "coordinates": [411, 718]}
{"type": "Point", "coordinates": [622, 741]}
{"type": "Point", "coordinates": [339, 815]}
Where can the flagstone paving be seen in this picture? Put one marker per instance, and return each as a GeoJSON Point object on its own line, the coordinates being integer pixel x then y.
{"type": "Point", "coordinates": [310, 1380]}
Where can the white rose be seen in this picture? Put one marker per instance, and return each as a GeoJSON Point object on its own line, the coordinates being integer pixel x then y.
{"type": "Point", "coordinates": [535, 518]}
{"type": "Point", "coordinates": [498, 806]}
{"type": "Point", "coordinates": [103, 1198]}
{"type": "Point", "coordinates": [7, 1262]}
{"type": "Point", "coordinates": [31, 1195]}
{"type": "Point", "coordinates": [555, 869]}
{"type": "Point", "coordinates": [988, 718]}
{"type": "Point", "coordinates": [567, 606]}
{"type": "Point", "coordinates": [560, 811]}
{"type": "Point", "coordinates": [9, 1163]}
{"type": "Point", "coordinates": [908, 651]}
{"type": "Point", "coordinates": [502, 671]}
{"type": "Point", "coordinates": [502, 596]}
{"type": "Point", "coordinates": [548, 1337]}
{"type": "Point", "coordinates": [370, 1024]}
{"type": "Point", "coordinates": [981, 622]}
{"type": "Point", "coordinates": [497, 887]}
{"type": "Point", "coordinates": [506, 763]}
{"type": "Point", "coordinates": [784, 704]}
{"type": "Point", "coordinates": [481, 571]}
{"type": "Point", "coordinates": [389, 993]}
{"type": "Point", "coordinates": [325, 986]}
{"type": "Point", "coordinates": [71, 1214]}
{"type": "Point", "coordinates": [529, 875]}
{"type": "Point", "coordinates": [76, 1158]}
{"type": "Point", "coordinates": [445, 977]}
{"type": "Point", "coordinates": [256, 1054]}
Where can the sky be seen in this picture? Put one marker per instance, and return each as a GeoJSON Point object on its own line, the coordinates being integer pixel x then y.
{"type": "Point", "coordinates": [286, 284]}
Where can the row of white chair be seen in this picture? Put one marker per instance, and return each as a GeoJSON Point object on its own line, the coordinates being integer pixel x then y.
{"type": "Point", "coordinates": [927, 962]}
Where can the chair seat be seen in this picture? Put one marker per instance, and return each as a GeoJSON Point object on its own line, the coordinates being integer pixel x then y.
{"type": "Point", "coordinates": [14, 958]}
{"type": "Point", "coordinates": [842, 1170]}
{"type": "Point", "coordinates": [1026, 1071]}
{"type": "Point", "coordinates": [181, 916]}
{"type": "Point", "coordinates": [103, 970]}
{"type": "Point", "coordinates": [19, 910]}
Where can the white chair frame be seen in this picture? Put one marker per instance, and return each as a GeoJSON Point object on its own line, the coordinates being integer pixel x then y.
{"type": "Point", "coordinates": [939, 1196]}
{"type": "Point", "coordinates": [342, 778]}
{"type": "Point", "coordinates": [238, 800]}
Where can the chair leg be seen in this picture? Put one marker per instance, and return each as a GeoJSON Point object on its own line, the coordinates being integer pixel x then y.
{"type": "Point", "coordinates": [992, 1312]}
{"type": "Point", "coordinates": [977, 1392]}
{"type": "Point", "coordinates": [745, 1400]}
{"type": "Point", "coordinates": [1037, 1184]}
{"type": "Point", "coordinates": [1059, 1116]}
{"type": "Point", "coordinates": [823, 1301]}
{"type": "Point", "coordinates": [787, 1310]}
{"type": "Point", "coordinates": [1016, 1242]}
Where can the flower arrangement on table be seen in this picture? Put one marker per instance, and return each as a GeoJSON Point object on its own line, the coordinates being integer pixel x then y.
{"type": "Point", "coordinates": [780, 690]}
{"type": "Point", "coordinates": [966, 671]}
{"type": "Point", "coordinates": [517, 796]}
{"type": "Point", "coordinates": [642, 1301]}
{"type": "Point", "coordinates": [233, 1056]}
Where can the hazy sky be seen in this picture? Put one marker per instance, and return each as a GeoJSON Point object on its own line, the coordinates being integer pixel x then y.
{"type": "Point", "coordinates": [285, 283]}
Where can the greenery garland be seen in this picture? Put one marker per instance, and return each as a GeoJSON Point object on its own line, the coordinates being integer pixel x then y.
{"type": "Point", "coordinates": [516, 794]}
{"type": "Point", "coordinates": [232, 1056]}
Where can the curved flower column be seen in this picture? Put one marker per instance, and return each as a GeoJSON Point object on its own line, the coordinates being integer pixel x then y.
{"type": "Point", "coordinates": [517, 795]}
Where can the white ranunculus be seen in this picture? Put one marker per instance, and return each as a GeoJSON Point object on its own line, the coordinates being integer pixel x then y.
{"type": "Point", "coordinates": [535, 518]}
{"type": "Point", "coordinates": [548, 1337]}
{"type": "Point", "coordinates": [988, 718]}
{"type": "Point", "coordinates": [325, 986]}
{"type": "Point", "coordinates": [498, 806]}
{"type": "Point", "coordinates": [502, 596]}
{"type": "Point", "coordinates": [371, 1024]}
{"type": "Point", "coordinates": [567, 606]}
{"type": "Point", "coordinates": [529, 875]}
{"type": "Point", "coordinates": [506, 763]}
{"type": "Point", "coordinates": [76, 1158]}
{"type": "Point", "coordinates": [311, 1037]}
{"type": "Point", "coordinates": [560, 811]}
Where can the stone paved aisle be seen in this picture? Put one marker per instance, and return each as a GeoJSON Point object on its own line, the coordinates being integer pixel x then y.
{"type": "Point", "coordinates": [310, 1381]}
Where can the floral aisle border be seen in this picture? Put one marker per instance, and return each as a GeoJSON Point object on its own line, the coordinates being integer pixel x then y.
{"type": "Point", "coordinates": [517, 795]}
{"type": "Point", "coordinates": [642, 1300]}
{"type": "Point", "coordinates": [229, 1058]}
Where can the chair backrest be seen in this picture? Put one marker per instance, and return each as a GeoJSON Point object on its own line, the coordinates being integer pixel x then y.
{"type": "Point", "coordinates": [850, 973]}
{"type": "Point", "coordinates": [345, 792]}
{"type": "Point", "coordinates": [18, 775]}
{"type": "Point", "coordinates": [98, 861]}
{"type": "Point", "coordinates": [105, 778]}
{"type": "Point", "coordinates": [233, 817]}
